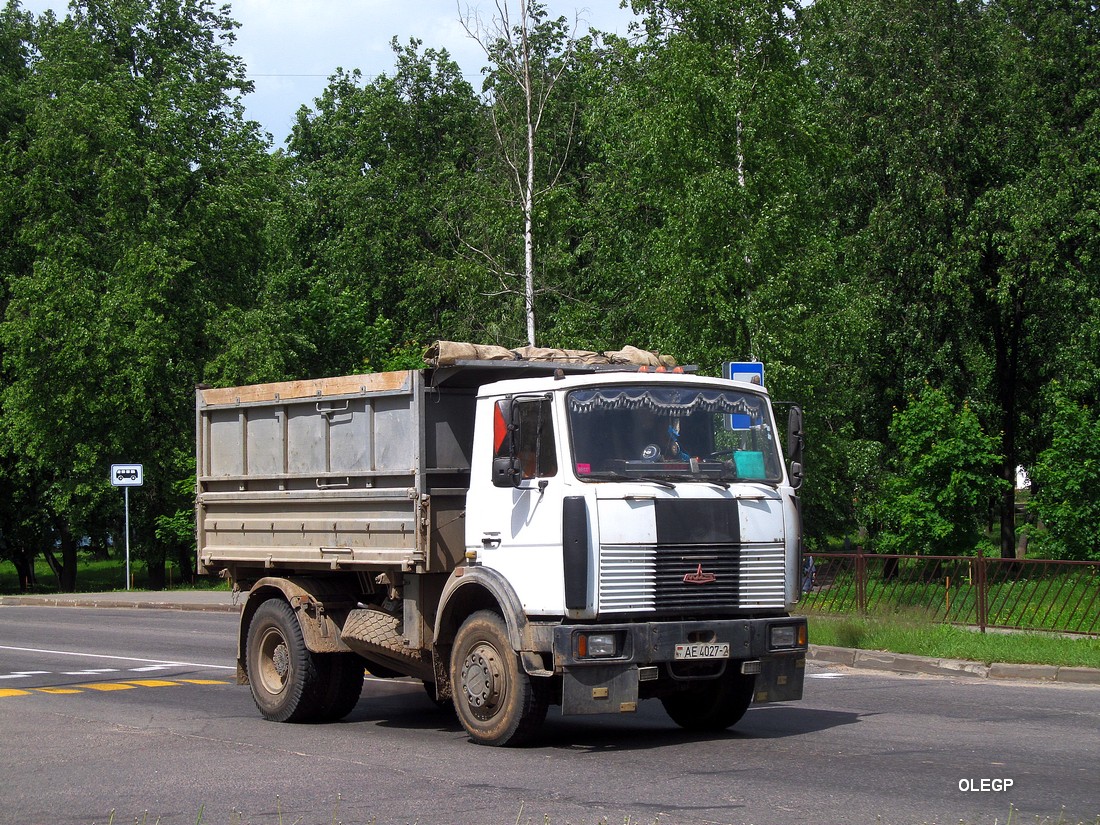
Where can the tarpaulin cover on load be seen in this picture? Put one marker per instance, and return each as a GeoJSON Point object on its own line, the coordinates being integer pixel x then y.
{"type": "Point", "coordinates": [449, 353]}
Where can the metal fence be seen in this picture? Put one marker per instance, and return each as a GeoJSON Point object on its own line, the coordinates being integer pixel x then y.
{"type": "Point", "coordinates": [987, 592]}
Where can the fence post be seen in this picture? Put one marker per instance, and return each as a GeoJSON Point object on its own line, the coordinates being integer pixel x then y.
{"type": "Point", "coordinates": [861, 580]}
{"type": "Point", "coordinates": [982, 605]}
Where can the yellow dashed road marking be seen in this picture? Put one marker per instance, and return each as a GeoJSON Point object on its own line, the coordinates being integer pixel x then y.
{"type": "Point", "coordinates": [104, 687]}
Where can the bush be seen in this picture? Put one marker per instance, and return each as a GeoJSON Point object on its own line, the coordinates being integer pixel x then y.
{"type": "Point", "coordinates": [941, 481]}
{"type": "Point", "coordinates": [1066, 485]}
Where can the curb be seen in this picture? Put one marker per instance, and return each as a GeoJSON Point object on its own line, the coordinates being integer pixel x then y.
{"type": "Point", "coordinates": [129, 603]}
{"type": "Point", "coordinates": [927, 666]}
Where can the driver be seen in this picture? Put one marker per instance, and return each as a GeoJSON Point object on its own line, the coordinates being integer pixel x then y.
{"type": "Point", "coordinates": [671, 451]}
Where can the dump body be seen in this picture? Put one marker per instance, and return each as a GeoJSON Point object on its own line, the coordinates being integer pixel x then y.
{"type": "Point", "coordinates": [343, 473]}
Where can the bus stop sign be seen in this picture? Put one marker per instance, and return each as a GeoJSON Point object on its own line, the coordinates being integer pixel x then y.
{"type": "Point", "coordinates": [127, 475]}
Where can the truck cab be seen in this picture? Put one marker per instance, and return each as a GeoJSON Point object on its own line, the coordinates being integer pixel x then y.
{"type": "Point", "coordinates": [646, 528]}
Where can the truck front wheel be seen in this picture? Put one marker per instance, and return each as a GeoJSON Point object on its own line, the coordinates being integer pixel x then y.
{"type": "Point", "coordinates": [496, 701]}
{"type": "Point", "coordinates": [711, 705]}
{"type": "Point", "coordinates": [283, 674]}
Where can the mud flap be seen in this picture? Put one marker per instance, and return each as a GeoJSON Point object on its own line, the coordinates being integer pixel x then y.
{"type": "Point", "coordinates": [599, 689]}
{"type": "Point", "coordinates": [781, 678]}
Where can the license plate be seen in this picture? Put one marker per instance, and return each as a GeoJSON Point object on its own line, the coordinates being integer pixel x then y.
{"type": "Point", "coordinates": [703, 651]}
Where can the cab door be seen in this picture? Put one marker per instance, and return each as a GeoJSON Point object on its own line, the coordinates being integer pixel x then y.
{"type": "Point", "coordinates": [514, 516]}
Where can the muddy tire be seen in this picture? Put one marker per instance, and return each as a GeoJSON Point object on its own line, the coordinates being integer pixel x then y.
{"type": "Point", "coordinates": [495, 699]}
{"type": "Point", "coordinates": [284, 676]}
{"type": "Point", "coordinates": [341, 684]}
{"type": "Point", "coordinates": [712, 705]}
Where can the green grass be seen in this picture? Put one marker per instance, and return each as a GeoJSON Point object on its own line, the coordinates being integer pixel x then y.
{"type": "Point", "coordinates": [1041, 600]}
{"type": "Point", "coordinates": [902, 634]}
{"type": "Point", "coordinates": [101, 576]}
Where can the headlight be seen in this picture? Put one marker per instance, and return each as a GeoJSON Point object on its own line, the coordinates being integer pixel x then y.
{"type": "Point", "coordinates": [783, 636]}
{"type": "Point", "coordinates": [597, 645]}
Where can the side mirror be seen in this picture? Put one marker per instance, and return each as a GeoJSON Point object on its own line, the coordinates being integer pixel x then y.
{"type": "Point", "coordinates": [506, 467]}
{"type": "Point", "coordinates": [795, 442]}
{"type": "Point", "coordinates": [795, 435]}
{"type": "Point", "coordinates": [507, 471]}
{"type": "Point", "coordinates": [796, 474]}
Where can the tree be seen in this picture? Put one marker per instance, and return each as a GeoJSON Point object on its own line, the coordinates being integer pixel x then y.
{"type": "Point", "coordinates": [960, 197]}
{"type": "Point", "coordinates": [700, 152]}
{"type": "Point", "coordinates": [139, 186]}
{"type": "Point", "coordinates": [15, 28]}
{"type": "Point", "coordinates": [384, 179]}
{"type": "Point", "coordinates": [528, 62]}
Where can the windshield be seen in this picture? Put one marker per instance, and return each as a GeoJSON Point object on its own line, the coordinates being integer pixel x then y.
{"type": "Point", "coordinates": [672, 433]}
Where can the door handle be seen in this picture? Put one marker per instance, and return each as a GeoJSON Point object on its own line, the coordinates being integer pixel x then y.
{"type": "Point", "coordinates": [490, 541]}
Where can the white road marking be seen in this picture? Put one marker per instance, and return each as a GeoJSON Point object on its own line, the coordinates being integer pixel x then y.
{"type": "Point", "coordinates": [824, 675]}
{"type": "Point", "coordinates": [91, 672]}
{"type": "Point", "coordinates": [117, 658]}
{"type": "Point", "coordinates": [24, 674]}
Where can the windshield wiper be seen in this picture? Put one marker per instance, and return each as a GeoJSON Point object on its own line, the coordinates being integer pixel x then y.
{"type": "Point", "coordinates": [702, 479]}
{"type": "Point", "coordinates": [766, 482]}
{"type": "Point", "coordinates": [610, 475]}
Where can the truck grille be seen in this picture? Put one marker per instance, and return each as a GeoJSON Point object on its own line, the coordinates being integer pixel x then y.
{"type": "Point", "coordinates": [687, 579]}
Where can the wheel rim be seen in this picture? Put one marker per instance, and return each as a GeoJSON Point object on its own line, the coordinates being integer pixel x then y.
{"type": "Point", "coordinates": [274, 664]}
{"type": "Point", "coordinates": [484, 682]}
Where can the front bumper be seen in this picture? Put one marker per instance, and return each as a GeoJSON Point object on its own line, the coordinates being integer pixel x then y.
{"type": "Point", "coordinates": [646, 652]}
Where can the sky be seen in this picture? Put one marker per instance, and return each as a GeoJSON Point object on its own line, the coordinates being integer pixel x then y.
{"type": "Point", "coordinates": [291, 47]}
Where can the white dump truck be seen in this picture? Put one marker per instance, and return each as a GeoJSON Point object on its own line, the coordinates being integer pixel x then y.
{"type": "Point", "coordinates": [516, 529]}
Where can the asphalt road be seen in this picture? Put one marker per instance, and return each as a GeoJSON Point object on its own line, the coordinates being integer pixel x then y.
{"type": "Point", "coordinates": [121, 712]}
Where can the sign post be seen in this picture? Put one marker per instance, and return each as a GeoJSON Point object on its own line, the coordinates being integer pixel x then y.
{"type": "Point", "coordinates": [127, 476]}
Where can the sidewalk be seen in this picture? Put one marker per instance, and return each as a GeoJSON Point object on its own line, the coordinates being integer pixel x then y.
{"type": "Point", "coordinates": [225, 601]}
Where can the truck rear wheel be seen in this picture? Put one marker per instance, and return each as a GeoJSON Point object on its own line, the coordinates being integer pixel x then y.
{"type": "Point", "coordinates": [284, 675]}
{"type": "Point", "coordinates": [341, 684]}
{"type": "Point", "coordinates": [496, 701]}
{"type": "Point", "coordinates": [711, 705]}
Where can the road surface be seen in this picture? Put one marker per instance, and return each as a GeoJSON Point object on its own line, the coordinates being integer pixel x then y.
{"type": "Point", "coordinates": [120, 712]}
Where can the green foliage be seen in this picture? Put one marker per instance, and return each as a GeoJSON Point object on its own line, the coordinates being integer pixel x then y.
{"type": "Point", "coordinates": [942, 478]}
{"type": "Point", "coordinates": [177, 528]}
{"type": "Point", "coordinates": [692, 213]}
{"type": "Point", "coordinates": [384, 181]}
{"type": "Point", "coordinates": [867, 196]}
{"type": "Point", "coordinates": [139, 190]}
{"type": "Point", "coordinates": [960, 196]}
{"type": "Point", "coordinates": [1066, 485]}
